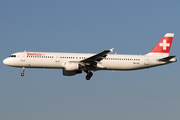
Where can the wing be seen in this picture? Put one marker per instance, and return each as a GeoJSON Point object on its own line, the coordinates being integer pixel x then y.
{"type": "Point", "coordinates": [96, 58]}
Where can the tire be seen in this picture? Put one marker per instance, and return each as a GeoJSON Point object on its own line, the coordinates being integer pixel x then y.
{"type": "Point", "coordinates": [88, 78]}
{"type": "Point", "coordinates": [90, 74]}
{"type": "Point", "coordinates": [22, 74]}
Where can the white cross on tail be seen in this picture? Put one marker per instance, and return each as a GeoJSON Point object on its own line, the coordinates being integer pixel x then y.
{"type": "Point", "coordinates": [164, 44]}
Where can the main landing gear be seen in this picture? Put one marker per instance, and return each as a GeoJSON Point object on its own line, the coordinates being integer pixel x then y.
{"type": "Point", "coordinates": [23, 69]}
{"type": "Point", "coordinates": [89, 75]}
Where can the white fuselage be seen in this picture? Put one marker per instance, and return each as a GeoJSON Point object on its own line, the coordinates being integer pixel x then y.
{"type": "Point", "coordinates": [56, 60]}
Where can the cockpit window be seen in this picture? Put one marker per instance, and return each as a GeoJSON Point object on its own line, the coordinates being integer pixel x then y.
{"type": "Point", "coordinates": [12, 56]}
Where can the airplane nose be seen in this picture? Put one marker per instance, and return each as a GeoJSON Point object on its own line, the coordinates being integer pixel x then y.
{"type": "Point", "coordinates": [5, 61]}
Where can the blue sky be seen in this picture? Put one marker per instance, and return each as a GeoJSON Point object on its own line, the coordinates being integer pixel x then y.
{"type": "Point", "coordinates": [131, 27]}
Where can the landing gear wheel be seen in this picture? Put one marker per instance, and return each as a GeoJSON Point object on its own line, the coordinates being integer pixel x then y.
{"type": "Point", "coordinates": [22, 74]}
{"type": "Point", "coordinates": [88, 78]}
{"type": "Point", "coordinates": [90, 74]}
{"type": "Point", "coordinates": [23, 69]}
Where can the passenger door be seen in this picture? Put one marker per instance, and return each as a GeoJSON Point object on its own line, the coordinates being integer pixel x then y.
{"type": "Point", "coordinates": [146, 60]}
{"type": "Point", "coordinates": [57, 59]}
{"type": "Point", "coordinates": [23, 56]}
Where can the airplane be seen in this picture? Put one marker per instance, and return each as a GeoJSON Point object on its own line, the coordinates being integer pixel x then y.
{"type": "Point", "coordinates": [75, 63]}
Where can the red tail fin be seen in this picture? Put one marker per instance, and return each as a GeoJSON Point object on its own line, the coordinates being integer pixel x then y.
{"type": "Point", "coordinates": [164, 44]}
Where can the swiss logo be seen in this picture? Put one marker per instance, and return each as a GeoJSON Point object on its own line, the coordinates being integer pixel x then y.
{"type": "Point", "coordinates": [164, 44]}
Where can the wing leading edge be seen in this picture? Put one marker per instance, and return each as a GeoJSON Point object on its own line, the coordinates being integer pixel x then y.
{"type": "Point", "coordinates": [96, 58]}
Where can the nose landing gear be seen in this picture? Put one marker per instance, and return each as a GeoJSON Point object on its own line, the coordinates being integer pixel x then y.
{"type": "Point", "coordinates": [89, 75]}
{"type": "Point", "coordinates": [23, 69]}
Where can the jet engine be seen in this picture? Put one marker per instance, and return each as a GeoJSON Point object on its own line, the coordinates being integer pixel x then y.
{"type": "Point", "coordinates": [70, 66]}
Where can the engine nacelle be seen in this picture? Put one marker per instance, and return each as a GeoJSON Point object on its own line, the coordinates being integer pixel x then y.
{"type": "Point", "coordinates": [70, 73]}
{"type": "Point", "coordinates": [70, 66]}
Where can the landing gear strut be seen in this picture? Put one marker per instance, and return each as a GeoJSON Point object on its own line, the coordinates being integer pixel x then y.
{"type": "Point", "coordinates": [23, 69]}
{"type": "Point", "coordinates": [89, 75]}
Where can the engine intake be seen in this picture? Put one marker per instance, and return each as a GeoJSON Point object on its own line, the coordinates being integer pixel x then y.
{"type": "Point", "coordinates": [71, 66]}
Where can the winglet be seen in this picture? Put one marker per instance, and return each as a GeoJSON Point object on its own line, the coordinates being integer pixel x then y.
{"type": "Point", "coordinates": [111, 49]}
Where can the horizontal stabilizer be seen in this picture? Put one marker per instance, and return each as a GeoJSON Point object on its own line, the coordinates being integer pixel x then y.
{"type": "Point", "coordinates": [167, 58]}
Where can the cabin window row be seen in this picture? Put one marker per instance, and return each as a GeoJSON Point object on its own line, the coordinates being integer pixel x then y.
{"type": "Point", "coordinates": [122, 59]}
{"type": "Point", "coordinates": [82, 58]}
{"type": "Point", "coordinates": [73, 57]}
{"type": "Point", "coordinates": [40, 56]}
{"type": "Point", "coordinates": [104, 58]}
